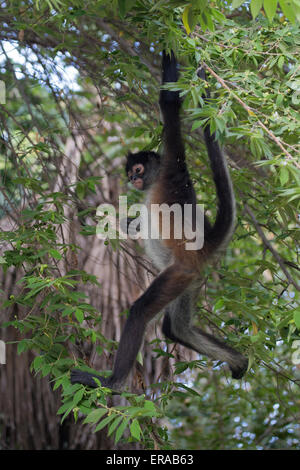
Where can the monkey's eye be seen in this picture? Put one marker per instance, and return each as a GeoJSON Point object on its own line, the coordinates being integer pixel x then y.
{"type": "Point", "coordinates": [138, 168]}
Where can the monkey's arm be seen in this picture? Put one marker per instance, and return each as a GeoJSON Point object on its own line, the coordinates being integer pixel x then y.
{"type": "Point", "coordinates": [170, 104]}
{"type": "Point", "coordinates": [169, 74]}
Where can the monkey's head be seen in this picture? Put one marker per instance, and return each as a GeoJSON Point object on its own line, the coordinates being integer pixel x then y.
{"type": "Point", "coordinates": [142, 169]}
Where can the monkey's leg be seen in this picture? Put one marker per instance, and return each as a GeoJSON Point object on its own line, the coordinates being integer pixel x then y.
{"type": "Point", "coordinates": [165, 288]}
{"type": "Point", "coordinates": [177, 327]}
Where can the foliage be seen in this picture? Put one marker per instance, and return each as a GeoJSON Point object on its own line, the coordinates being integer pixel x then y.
{"type": "Point", "coordinates": [253, 70]}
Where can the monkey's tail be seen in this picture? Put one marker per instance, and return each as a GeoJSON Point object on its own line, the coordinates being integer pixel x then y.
{"type": "Point", "coordinates": [220, 233]}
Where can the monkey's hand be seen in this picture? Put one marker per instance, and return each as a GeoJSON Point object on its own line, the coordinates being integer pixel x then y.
{"type": "Point", "coordinates": [86, 378]}
{"type": "Point", "coordinates": [239, 371]}
{"type": "Point", "coordinates": [169, 68]}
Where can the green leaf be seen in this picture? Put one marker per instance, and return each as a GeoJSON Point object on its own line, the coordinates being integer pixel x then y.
{"type": "Point", "coordinates": [139, 358]}
{"type": "Point", "coordinates": [135, 429]}
{"type": "Point", "coordinates": [22, 346]}
{"type": "Point", "coordinates": [287, 10]}
{"type": "Point", "coordinates": [202, 21]}
{"type": "Point", "coordinates": [209, 21]}
{"type": "Point", "coordinates": [114, 425]}
{"type": "Point", "coordinates": [219, 304]}
{"type": "Point", "coordinates": [105, 421]}
{"type": "Point", "coordinates": [218, 15]}
{"type": "Point", "coordinates": [122, 8]}
{"type": "Point", "coordinates": [125, 6]}
{"type": "Point", "coordinates": [284, 176]}
{"type": "Point", "coordinates": [185, 18]}
{"type": "Point", "coordinates": [237, 3]}
{"type": "Point", "coordinates": [79, 315]}
{"type": "Point", "coordinates": [64, 407]}
{"type": "Point", "coordinates": [197, 124]}
{"type": "Point", "coordinates": [67, 408]}
{"type": "Point", "coordinates": [180, 367]}
{"type": "Point", "coordinates": [255, 7]}
{"type": "Point", "coordinates": [297, 318]}
{"type": "Point", "coordinates": [95, 415]}
{"type": "Point", "coordinates": [270, 7]}
{"type": "Point", "coordinates": [189, 390]}
{"type": "Point", "coordinates": [81, 190]}
{"type": "Point", "coordinates": [37, 362]}
{"type": "Point", "coordinates": [67, 311]}
{"type": "Point", "coordinates": [149, 405]}
{"type": "Point", "coordinates": [280, 62]}
{"type": "Point", "coordinates": [78, 396]}
{"type": "Point", "coordinates": [121, 429]}
{"type": "Point", "coordinates": [55, 254]}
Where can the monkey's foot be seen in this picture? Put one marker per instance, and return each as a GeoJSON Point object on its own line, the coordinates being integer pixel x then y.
{"type": "Point", "coordinates": [239, 371]}
{"type": "Point", "coordinates": [86, 378]}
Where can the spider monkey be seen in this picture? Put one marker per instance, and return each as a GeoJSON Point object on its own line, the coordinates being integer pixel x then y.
{"type": "Point", "coordinates": [167, 180]}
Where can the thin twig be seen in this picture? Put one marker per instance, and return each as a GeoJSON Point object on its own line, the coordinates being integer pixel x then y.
{"type": "Point", "coordinates": [251, 113]}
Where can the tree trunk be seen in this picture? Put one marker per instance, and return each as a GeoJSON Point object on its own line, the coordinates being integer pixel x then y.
{"type": "Point", "coordinates": [28, 408]}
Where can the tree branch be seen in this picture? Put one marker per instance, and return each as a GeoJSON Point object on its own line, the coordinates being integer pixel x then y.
{"type": "Point", "coordinates": [269, 246]}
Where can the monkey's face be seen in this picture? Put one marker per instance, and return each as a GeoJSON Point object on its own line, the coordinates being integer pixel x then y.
{"type": "Point", "coordinates": [136, 176]}
{"type": "Point", "coordinates": [142, 169]}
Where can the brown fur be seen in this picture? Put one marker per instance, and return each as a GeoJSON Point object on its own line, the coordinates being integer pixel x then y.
{"type": "Point", "coordinates": [190, 260]}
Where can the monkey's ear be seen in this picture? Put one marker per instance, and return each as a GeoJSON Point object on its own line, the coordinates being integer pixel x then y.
{"type": "Point", "coordinates": [154, 155]}
{"type": "Point", "coordinates": [128, 162]}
